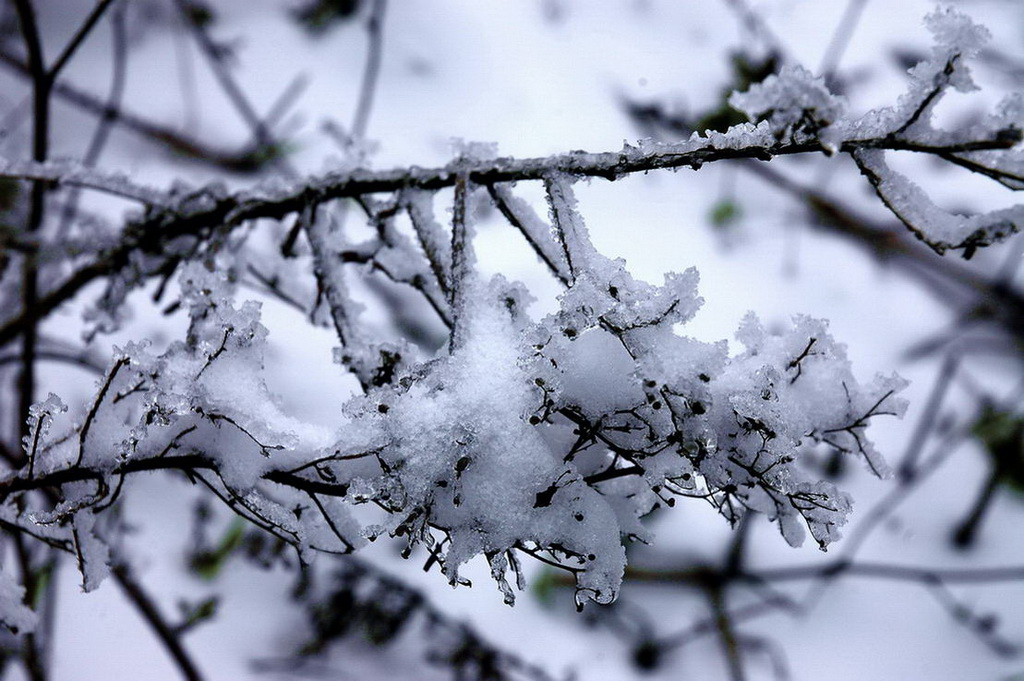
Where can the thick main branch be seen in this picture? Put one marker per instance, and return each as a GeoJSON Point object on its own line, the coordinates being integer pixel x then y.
{"type": "Point", "coordinates": [191, 217]}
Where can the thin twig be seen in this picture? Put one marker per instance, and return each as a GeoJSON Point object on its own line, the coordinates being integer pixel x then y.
{"type": "Point", "coordinates": [76, 40]}
{"type": "Point", "coordinates": [948, 281]}
{"type": "Point", "coordinates": [727, 635]}
{"type": "Point", "coordinates": [245, 160]}
{"type": "Point", "coordinates": [118, 77]}
{"type": "Point", "coordinates": [263, 139]}
{"type": "Point", "coordinates": [149, 610]}
{"type": "Point", "coordinates": [371, 70]}
{"type": "Point", "coordinates": [462, 262]}
{"type": "Point", "coordinates": [32, 653]}
{"type": "Point", "coordinates": [758, 28]}
{"type": "Point", "coordinates": [30, 266]}
{"type": "Point", "coordinates": [841, 37]}
{"type": "Point", "coordinates": [80, 360]}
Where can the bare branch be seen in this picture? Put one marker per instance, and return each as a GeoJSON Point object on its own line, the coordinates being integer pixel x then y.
{"type": "Point", "coordinates": [147, 607]}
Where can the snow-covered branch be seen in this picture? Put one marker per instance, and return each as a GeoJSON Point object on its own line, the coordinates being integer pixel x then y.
{"type": "Point", "coordinates": [551, 438]}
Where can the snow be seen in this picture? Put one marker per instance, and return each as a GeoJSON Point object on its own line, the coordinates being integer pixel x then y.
{"type": "Point", "coordinates": [941, 229]}
{"type": "Point", "coordinates": [792, 101]}
{"type": "Point", "coordinates": [464, 459]}
{"type": "Point", "coordinates": [16, 615]}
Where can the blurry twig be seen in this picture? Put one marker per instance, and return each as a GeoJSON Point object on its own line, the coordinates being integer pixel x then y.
{"type": "Point", "coordinates": [246, 160]}
{"type": "Point", "coordinates": [216, 58]}
{"type": "Point", "coordinates": [78, 38]}
{"type": "Point", "coordinates": [363, 598]}
{"type": "Point", "coordinates": [371, 72]}
{"type": "Point", "coordinates": [727, 634]}
{"type": "Point", "coordinates": [149, 610]}
{"type": "Point", "coordinates": [351, 140]}
{"type": "Point", "coordinates": [755, 24]}
{"type": "Point", "coordinates": [118, 73]}
{"type": "Point", "coordinates": [951, 283]}
{"type": "Point", "coordinates": [841, 38]}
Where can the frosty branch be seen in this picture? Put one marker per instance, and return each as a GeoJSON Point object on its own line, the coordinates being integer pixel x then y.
{"type": "Point", "coordinates": [201, 213]}
{"type": "Point", "coordinates": [551, 438]}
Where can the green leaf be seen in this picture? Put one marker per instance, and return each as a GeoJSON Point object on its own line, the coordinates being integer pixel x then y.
{"type": "Point", "coordinates": [317, 16]}
{"type": "Point", "coordinates": [1001, 433]}
{"type": "Point", "coordinates": [725, 213]}
{"type": "Point", "coordinates": [543, 587]}
{"type": "Point", "coordinates": [196, 613]}
{"type": "Point", "coordinates": [208, 563]}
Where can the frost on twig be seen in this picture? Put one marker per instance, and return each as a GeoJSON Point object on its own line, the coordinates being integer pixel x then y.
{"type": "Point", "coordinates": [800, 117]}
{"type": "Point", "coordinates": [799, 106]}
{"type": "Point", "coordinates": [940, 229]}
{"type": "Point", "coordinates": [14, 614]}
{"type": "Point", "coordinates": [538, 233]}
{"type": "Point", "coordinates": [548, 438]}
{"type": "Point", "coordinates": [793, 102]}
{"type": "Point", "coordinates": [76, 175]}
{"type": "Point", "coordinates": [957, 40]}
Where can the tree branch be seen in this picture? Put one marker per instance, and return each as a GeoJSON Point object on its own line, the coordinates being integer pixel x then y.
{"type": "Point", "coordinates": [164, 223]}
{"type": "Point", "coordinates": [147, 607]}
